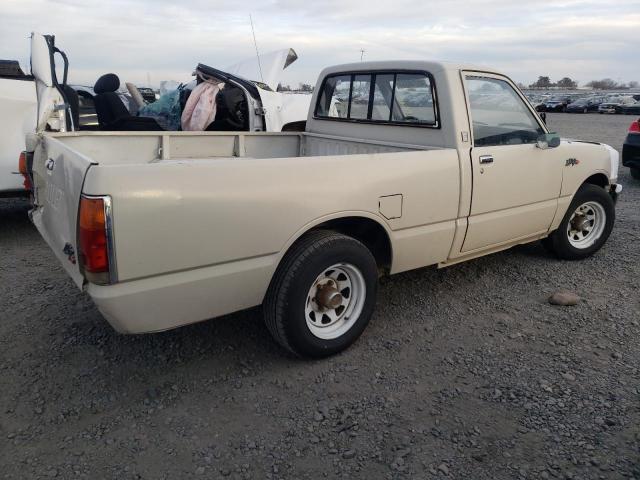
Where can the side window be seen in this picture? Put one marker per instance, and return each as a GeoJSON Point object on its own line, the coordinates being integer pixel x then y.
{"type": "Point", "coordinates": [382, 96]}
{"type": "Point", "coordinates": [388, 97]}
{"type": "Point", "coordinates": [334, 99]}
{"type": "Point", "coordinates": [499, 115]}
{"type": "Point", "coordinates": [360, 97]}
{"type": "Point", "coordinates": [413, 99]}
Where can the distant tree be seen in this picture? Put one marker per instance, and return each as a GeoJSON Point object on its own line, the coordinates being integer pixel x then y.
{"type": "Point", "coordinates": [542, 82]}
{"type": "Point", "coordinates": [283, 88]}
{"type": "Point", "coordinates": [634, 84]}
{"type": "Point", "coordinates": [305, 87]}
{"type": "Point", "coordinates": [521, 86]}
{"type": "Point", "coordinates": [567, 83]}
{"type": "Point", "coordinates": [604, 84]}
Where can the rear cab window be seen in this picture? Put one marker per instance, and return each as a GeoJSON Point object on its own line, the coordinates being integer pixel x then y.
{"type": "Point", "coordinates": [401, 98]}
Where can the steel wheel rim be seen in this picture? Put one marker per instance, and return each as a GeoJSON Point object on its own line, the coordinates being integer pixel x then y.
{"type": "Point", "coordinates": [586, 225]}
{"type": "Point", "coordinates": [341, 283]}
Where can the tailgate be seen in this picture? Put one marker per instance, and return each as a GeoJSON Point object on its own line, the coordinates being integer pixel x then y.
{"type": "Point", "coordinates": [58, 174]}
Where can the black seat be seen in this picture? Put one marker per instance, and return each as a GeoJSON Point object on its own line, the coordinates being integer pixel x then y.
{"type": "Point", "coordinates": [112, 113]}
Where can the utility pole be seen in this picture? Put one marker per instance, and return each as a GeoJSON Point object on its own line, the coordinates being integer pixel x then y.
{"type": "Point", "coordinates": [361, 53]}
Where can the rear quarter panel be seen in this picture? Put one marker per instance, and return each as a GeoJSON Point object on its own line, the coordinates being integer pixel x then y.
{"type": "Point", "coordinates": [177, 215]}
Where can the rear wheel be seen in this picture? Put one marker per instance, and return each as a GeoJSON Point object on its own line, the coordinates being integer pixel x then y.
{"type": "Point", "coordinates": [635, 173]}
{"type": "Point", "coordinates": [322, 295]}
{"type": "Point", "coordinates": [585, 227]}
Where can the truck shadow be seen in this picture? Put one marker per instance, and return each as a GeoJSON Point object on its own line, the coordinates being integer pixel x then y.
{"type": "Point", "coordinates": [221, 356]}
{"type": "Point", "coordinates": [242, 337]}
{"type": "Point", "coordinates": [14, 215]}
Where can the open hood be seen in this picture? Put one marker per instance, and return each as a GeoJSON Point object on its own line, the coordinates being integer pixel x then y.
{"type": "Point", "coordinates": [267, 70]}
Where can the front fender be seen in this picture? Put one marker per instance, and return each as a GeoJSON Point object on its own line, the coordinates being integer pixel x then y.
{"type": "Point", "coordinates": [587, 160]}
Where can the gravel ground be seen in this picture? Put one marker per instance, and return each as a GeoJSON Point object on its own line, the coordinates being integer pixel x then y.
{"type": "Point", "coordinates": [464, 373]}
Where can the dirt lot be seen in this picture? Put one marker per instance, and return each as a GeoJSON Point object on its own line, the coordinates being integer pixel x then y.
{"type": "Point", "coordinates": [464, 373]}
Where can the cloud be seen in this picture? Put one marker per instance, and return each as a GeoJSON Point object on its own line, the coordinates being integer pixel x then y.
{"type": "Point", "coordinates": [164, 39]}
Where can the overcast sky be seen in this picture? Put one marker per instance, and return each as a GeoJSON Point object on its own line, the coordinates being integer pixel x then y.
{"type": "Point", "coordinates": [165, 39]}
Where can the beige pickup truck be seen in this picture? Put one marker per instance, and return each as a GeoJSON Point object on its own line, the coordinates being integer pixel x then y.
{"type": "Point", "coordinates": [403, 164]}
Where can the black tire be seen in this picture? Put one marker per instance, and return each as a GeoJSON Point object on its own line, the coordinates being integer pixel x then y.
{"type": "Point", "coordinates": [286, 298]}
{"type": "Point", "coordinates": [558, 242]}
{"type": "Point", "coordinates": [635, 173]}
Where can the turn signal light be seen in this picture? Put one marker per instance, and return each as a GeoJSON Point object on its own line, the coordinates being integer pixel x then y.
{"type": "Point", "coordinates": [635, 127]}
{"type": "Point", "coordinates": [93, 238]}
{"type": "Point", "coordinates": [22, 168]}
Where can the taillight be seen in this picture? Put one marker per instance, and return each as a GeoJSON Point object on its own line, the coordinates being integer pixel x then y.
{"type": "Point", "coordinates": [94, 239]}
{"type": "Point", "coordinates": [24, 170]}
{"type": "Point", "coordinates": [635, 127]}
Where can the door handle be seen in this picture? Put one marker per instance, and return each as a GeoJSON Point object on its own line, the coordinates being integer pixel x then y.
{"type": "Point", "coordinates": [484, 159]}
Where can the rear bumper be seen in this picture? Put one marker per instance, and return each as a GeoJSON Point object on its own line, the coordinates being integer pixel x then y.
{"type": "Point", "coordinates": [172, 300]}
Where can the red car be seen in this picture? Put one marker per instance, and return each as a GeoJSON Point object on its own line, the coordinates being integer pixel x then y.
{"type": "Point", "coordinates": [631, 150]}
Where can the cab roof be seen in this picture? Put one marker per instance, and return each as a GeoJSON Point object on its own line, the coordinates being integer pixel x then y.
{"type": "Point", "coordinates": [429, 66]}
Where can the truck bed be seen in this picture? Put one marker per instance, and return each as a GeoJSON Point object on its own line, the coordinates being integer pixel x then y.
{"type": "Point", "coordinates": [115, 148]}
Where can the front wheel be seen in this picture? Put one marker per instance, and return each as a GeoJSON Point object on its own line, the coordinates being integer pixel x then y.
{"type": "Point", "coordinates": [635, 173]}
{"type": "Point", "coordinates": [323, 294]}
{"type": "Point", "coordinates": [585, 227]}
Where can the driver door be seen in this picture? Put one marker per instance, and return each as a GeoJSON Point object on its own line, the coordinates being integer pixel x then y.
{"type": "Point", "coordinates": [516, 185]}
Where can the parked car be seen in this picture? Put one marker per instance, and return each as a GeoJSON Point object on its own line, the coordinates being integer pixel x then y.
{"type": "Point", "coordinates": [539, 104]}
{"type": "Point", "coordinates": [557, 104]}
{"type": "Point", "coordinates": [631, 109]}
{"type": "Point", "coordinates": [11, 69]}
{"type": "Point", "coordinates": [239, 219]}
{"type": "Point", "coordinates": [615, 105]}
{"type": "Point", "coordinates": [19, 109]}
{"type": "Point", "coordinates": [631, 150]}
{"type": "Point", "coordinates": [148, 94]}
{"type": "Point", "coordinates": [625, 102]}
{"type": "Point", "coordinates": [584, 105]}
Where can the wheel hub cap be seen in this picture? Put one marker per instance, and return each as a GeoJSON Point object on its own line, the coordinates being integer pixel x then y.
{"type": "Point", "coordinates": [335, 301]}
{"type": "Point", "coordinates": [328, 297]}
{"type": "Point", "coordinates": [581, 223]}
{"type": "Point", "coordinates": [586, 225]}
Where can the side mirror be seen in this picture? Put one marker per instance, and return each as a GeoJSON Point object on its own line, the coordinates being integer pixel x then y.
{"type": "Point", "coordinates": [548, 140]}
{"type": "Point", "coordinates": [543, 116]}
